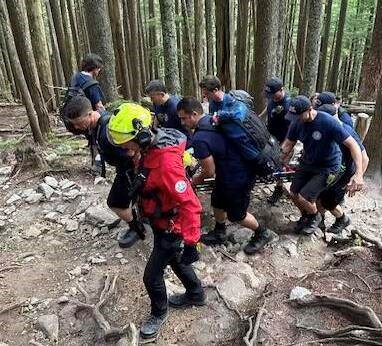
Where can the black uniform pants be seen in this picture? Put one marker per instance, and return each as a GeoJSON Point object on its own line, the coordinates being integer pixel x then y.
{"type": "Point", "coordinates": [166, 251]}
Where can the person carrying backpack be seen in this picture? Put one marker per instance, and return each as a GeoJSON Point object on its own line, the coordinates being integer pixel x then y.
{"type": "Point", "coordinates": [234, 177]}
{"type": "Point", "coordinates": [78, 112]}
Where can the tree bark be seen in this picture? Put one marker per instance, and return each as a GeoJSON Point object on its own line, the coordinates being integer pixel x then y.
{"type": "Point", "coordinates": [78, 49]}
{"type": "Point", "coordinates": [324, 47]}
{"type": "Point", "coordinates": [372, 66]}
{"type": "Point", "coordinates": [312, 47]}
{"type": "Point", "coordinates": [98, 23]}
{"type": "Point", "coordinates": [167, 10]}
{"type": "Point", "coordinates": [5, 91]}
{"type": "Point", "coordinates": [40, 50]}
{"type": "Point", "coordinates": [18, 73]}
{"type": "Point", "coordinates": [179, 39]}
{"type": "Point", "coordinates": [209, 5]}
{"type": "Point", "coordinates": [153, 42]}
{"type": "Point", "coordinates": [282, 12]}
{"type": "Point", "coordinates": [119, 46]}
{"type": "Point", "coordinates": [188, 86]}
{"type": "Point", "coordinates": [142, 48]}
{"type": "Point", "coordinates": [265, 59]}
{"type": "Point", "coordinates": [8, 67]}
{"type": "Point", "coordinates": [20, 27]}
{"type": "Point", "coordinates": [241, 44]}
{"type": "Point", "coordinates": [223, 42]}
{"type": "Point", "coordinates": [333, 77]}
{"type": "Point", "coordinates": [68, 36]}
{"type": "Point", "coordinates": [199, 42]}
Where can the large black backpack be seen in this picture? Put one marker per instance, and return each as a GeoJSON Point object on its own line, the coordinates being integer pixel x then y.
{"type": "Point", "coordinates": [243, 96]}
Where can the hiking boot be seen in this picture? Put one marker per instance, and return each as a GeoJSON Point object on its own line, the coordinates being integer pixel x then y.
{"type": "Point", "coordinates": [340, 224]}
{"type": "Point", "coordinates": [258, 241]}
{"type": "Point", "coordinates": [321, 225]}
{"type": "Point", "coordinates": [311, 224]}
{"type": "Point", "coordinates": [214, 237]}
{"type": "Point", "coordinates": [128, 239]}
{"type": "Point", "coordinates": [300, 223]}
{"type": "Point", "coordinates": [180, 301]}
{"type": "Point", "coordinates": [150, 328]}
{"type": "Point", "coordinates": [276, 195]}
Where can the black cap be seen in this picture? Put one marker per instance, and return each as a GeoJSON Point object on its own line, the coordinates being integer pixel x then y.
{"type": "Point", "coordinates": [273, 85]}
{"type": "Point", "coordinates": [325, 98]}
{"type": "Point", "coordinates": [327, 108]}
{"type": "Point", "coordinates": [298, 105]}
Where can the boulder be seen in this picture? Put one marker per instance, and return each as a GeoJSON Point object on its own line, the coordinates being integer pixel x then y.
{"type": "Point", "coordinates": [99, 217]}
{"type": "Point", "coordinates": [46, 190]}
{"type": "Point", "coordinates": [51, 181]}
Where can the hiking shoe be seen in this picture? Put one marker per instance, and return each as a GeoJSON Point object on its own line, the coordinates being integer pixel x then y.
{"type": "Point", "coordinates": [128, 239]}
{"type": "Point", "coordinates": [276, 195]}
{"type": "Point", "coordinates": [321, 225]}
{"type": "Point", "coordinates": [214, 237]}
{"type": "Point", "coordinates": [258, 241]}
{"type": "Point", "coordinates": [300, 223]}
{"type": "Point", "coordinates": [179, 301]}
{"type": "Point", "coordinates": [340, 224]}
{"type": "Point", "coordinates": [150, 328]}
{"type": "Point", "coordinates": [311, 224]}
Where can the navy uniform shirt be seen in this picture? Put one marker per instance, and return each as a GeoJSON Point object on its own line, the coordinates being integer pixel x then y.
{"type": "Point", "coordinates": [93, 93]}
{"type": "Point", "coordinates": [345, 117]}
{"type": "Point", "coordinates": [231, 170]}
{"type": "Point", "coordinates": [277, 124]}
{"type": "Point", "coordinates": [347, 160]}
{"type": "Point", "coordinates": [321, 139]}
{"type": "Point", "coordinates": [216, 106]}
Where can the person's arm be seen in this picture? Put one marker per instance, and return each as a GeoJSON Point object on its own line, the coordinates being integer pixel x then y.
{"type": "Point", "coordinates": [207, 170]}
{"type": "Point", "coordinates": [356, 181]}
{"type": "Point", "coordinates": [365, 160]}
{"type": "Point", "coordinates": [264, 112]}
{"type": "Point", "coordinates": [286, 149]}
{"type": "Point", "coordinates": [99, 106]}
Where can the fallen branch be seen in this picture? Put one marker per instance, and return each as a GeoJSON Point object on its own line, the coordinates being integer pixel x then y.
{"type": "Point", "coordinates": [345, 340]}
{"type": "Point", "coordinates": [226, 254]}
{"type": "Point", "coordinates": [369, 238]}
{"type": "Point", "coordinates": [13, 306]}
{"type": "Point", "coordinates": [9, 268]}
{"type": "Point", "coordinates": [343, 331]}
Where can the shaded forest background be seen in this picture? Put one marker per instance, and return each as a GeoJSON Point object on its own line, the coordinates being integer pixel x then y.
{"type": "Point", "coordinates": [313, 45]}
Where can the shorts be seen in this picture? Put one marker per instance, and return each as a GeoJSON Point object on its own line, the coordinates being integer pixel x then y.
{"type": "Point", "coordinates": [234, 201]}
{"type": "Point", "coordinates": [310, 184]}
{"type": "Point", "coordinates": [119, 193]}
{"type": "Point", "coordinates": [335, 194]}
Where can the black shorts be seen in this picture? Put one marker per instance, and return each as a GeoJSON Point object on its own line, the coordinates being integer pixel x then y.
{"type": "Point", "coordinates": [335, 194]}
{"type": "Point", "coordinates": [118, 195]}
{"type": "Point", "coordinates": [310, 184]}
{"type": "Point", "coordinates": [234, 201]}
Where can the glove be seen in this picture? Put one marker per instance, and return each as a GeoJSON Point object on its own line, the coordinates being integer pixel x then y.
{"type": "Point", "coordinates": [189, 255]}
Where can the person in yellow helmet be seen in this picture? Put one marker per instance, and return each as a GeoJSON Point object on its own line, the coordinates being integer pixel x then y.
{"type": "Point", "coordinates": [170, 204]}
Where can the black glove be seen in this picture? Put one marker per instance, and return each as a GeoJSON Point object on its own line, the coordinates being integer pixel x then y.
{"type": "Point", "coordinates": [189, 255]}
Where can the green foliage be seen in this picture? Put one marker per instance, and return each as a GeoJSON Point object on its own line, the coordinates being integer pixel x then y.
{"type": "Point", "coordinates": [9, 143]}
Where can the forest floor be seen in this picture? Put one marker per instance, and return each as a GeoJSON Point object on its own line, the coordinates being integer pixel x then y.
{"type": "Point", "coordinates": [57, 241]}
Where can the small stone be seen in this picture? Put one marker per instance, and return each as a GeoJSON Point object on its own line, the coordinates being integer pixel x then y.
{"type": "Point", "coordinates": [99, 180]}
{"type": "Point", "coordinates": [123, 261]}
{"type": "Point", "coordinates": [10, 210]}
{"type": "Point", "coordinates": [34, 198]}
{"type": "Point", "coordinates": [66, 184]}
{"type": "Point", "coordinates": [51, 216]}
{"type": "Point", "coordinates": [71, 226]}
{"type": "Point", "coordinates": [32, 232]}
{"type": "Point", "coordinates": [27, 192]}
{"type": "Point", "coordinates": [51, 181]}
{"type": "Point", "coordinates": [61, 208]}
{"type": "Point", "coordinates": [4, 344]}
{"type": "Point", "coordinates": [85, 269]}
{"type": "Point", "coordinates": [46, 190]}
{"type": "Point", "coordinates": [73, 291]}
{"type": "Point", "coordinates": [34, 301]}
{"type": "Point", "coordinates": [299, 293]}
{"type": "Point", "coordinates": [62, 300]}
{"type": "Point", "coordinates": [2, 225]}
{"type": "Point", "coordinates": [118, 255]}
{"type": "Point", "coordinates": [49, 325]}
{"type": "Point", "coordinates": [98, 216]}
{"type": "Point", "coordinates": [6, 170]}
{"type": "Point", "coordinates": [76, 271]}
{"type": "Point", "coordinates": [71, 194]}
{"type": "Point", "coordinates": [14, 198]}
{"type": "Point", "coordinates": [98, 259]}
{"type": "Point", "coordinates": [82, 206]}
{"type": "Point", "coordinates": [199, 265]}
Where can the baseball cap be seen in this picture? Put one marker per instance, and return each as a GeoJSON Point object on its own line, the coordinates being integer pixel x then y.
{"type": "Point", "coordinates": [298, 105]}
{"type": "Point", "coordinates": [273, 85]}
{"type": "Point", "coordinates": [325, 98]}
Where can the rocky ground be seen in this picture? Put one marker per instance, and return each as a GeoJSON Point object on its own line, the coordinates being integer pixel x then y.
{"type": "Point", "coordinates": [58, 239]}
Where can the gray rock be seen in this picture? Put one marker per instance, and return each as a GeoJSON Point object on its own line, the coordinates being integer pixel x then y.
{"type": "Point", "coordinates": [71, 226]}
{"type": "Point", "coordinates": [118, 255]}
{"type": "Point", "coordinates": [3, 344]}
{"type": "Point", "coordinates": [2, 225]}
{"type": "Point", "coordinates": [71, 194]}
{"type": "Point", "coordinates": [85, 269]}
{"type": "Point", "coordinates": [34, 198]}
{"type": "Point", "coordinates": [46, 190]}
{"type": "Point", "coordinates": [51, 181]}
{"type": "Point", "coordinates": [299, 293]}
{"type": "Point", "coordinates": [99, 217]}
{"type": "Point", "coordinates": [76, 271]}
{"type": "Point", "coordinates": [66, 184]}
{"type": "Point", "coordinates": [49, 325]}
{"type": "Point", "coordinates": [123, 261]}
{"type": "Point", "coordinates": [10, 210]}
{"type": "Point", "coordinates": [241, 235]}
{"type": "Point", "coordinates": [82, 206]}
{"type": "Point", "coordinates": [6, 170]}
{"type": "Point", "coordinates": [98, 259]}
{"type": "Point", "coordinates": [291, 247]}
{"type": "Point", "coordinates": [61, 208]}
{"type": "Point", "coordinates": [27, 192]}
{"type": "Point", "coordinates": [32, 232]}
{"type": "Point", "coordinates": [99, 181]}
{"type": "Point", "coordinates": [51, 216]}
{"type": "Point", "coordinates": [14, 198]}
{"type": "Point", "coordinates": [62, 300]}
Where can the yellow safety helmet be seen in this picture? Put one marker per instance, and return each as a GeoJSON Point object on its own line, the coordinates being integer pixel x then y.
{"type": "Point", "coordinates": [128, 120]}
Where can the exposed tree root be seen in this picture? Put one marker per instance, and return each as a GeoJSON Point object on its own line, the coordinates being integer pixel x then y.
{"type": "Point", "coordinates": [369, 238]}
{"type": "Point", "coordinates": [13, 306]}
{"type": "Point", "coordinates": [250, 338]}
{"type": "Point", "coordinates": [108, 332]}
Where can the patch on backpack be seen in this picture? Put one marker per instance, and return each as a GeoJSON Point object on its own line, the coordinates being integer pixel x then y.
{"type": "Point", "coordinates": [180, 186]}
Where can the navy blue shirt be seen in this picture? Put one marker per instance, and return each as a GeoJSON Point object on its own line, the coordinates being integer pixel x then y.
{"type": "Point", "coordinates": [168, 115]}
{"type": "Point", "coordinates": [345, 117]}
{"type": "Point", "coordinates": [93, 93]}
{"type": "Point", "coordinates": [321, 139]}
{"type": "Point", "coordinates": [347, 160]}
{"type": "Point", "coordinates": [277, 124]}
{"type": "Point", "coordinates": [216, 106]}
{"type": "Point", "coordinates": [231, 169]}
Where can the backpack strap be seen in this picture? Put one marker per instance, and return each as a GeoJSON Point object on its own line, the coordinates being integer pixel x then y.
{"type": "Point", "coordinates": [88, 84]}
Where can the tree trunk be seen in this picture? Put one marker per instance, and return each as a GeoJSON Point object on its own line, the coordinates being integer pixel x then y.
{"type": "Point", "coordinates": [209, 5]}
{"type": "Point", "coordinates": [81, 23]}
{"type": "Point", "coordinates": [142, 48]}
{"type": "Point", "coordinates": [324, 47]}
{"type": "Point", "coordinates": [312, 47]}
{"type": "Point", "coordinates": [372, 66]}
{"type": "Point", "coordinates": [188, 86]}
{"type": "Point", "coordinates": [167, 10]}
{"type": "Point", "coordinates": [153, 42]}
{"type": "Point", "coordinates": [223, 42]}
{"type": "Point", "coordinates": [187, 36]}
{"type": "Point", "coordinates": [199, 29]}
{"type": "Point", "coordinates": [20, 26]}
{"type": "Point", "coordinates": [300, 45]}
{"type": "Point", "coordinates": [78, 49]}
{"type": "Point", "coordinates": [68, 36]}
{"type": "Point", "coordinates": [119, 46]}
{"type": "Point", "coordinates": [373, 142]}
{"type": "Point", "coordinates": [282, 12]}
{"type": "Point", "coordinates": [265, 59]}
{"type": "Point", "coordinates": [5, 90]}
{"type": "Point", "coordinates": [98, 23]}
{"type": "Point", "coordinates": [9, 76]}
{"type": "Point", "coordinates": [333, 77]}
{"type": "Point", "coordinates": [179, 39]}
{"type": "Point", "coordinates": [241, 44]}
{"type": "Point", "coordinates": [18, 73]}
{"type": "Point", "coordinates": [136, 84]}
{"type": "Point", "coordinates": [126, 28]}
{"type": "Point", "coordinates": [40, 50]}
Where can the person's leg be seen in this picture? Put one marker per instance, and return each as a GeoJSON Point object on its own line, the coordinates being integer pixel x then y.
{"type": "Point", "coordinates": [277, 192]}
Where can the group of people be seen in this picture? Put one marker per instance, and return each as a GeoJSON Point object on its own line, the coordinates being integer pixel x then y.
{"type": "Point", "coordinates": [149, 149]}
